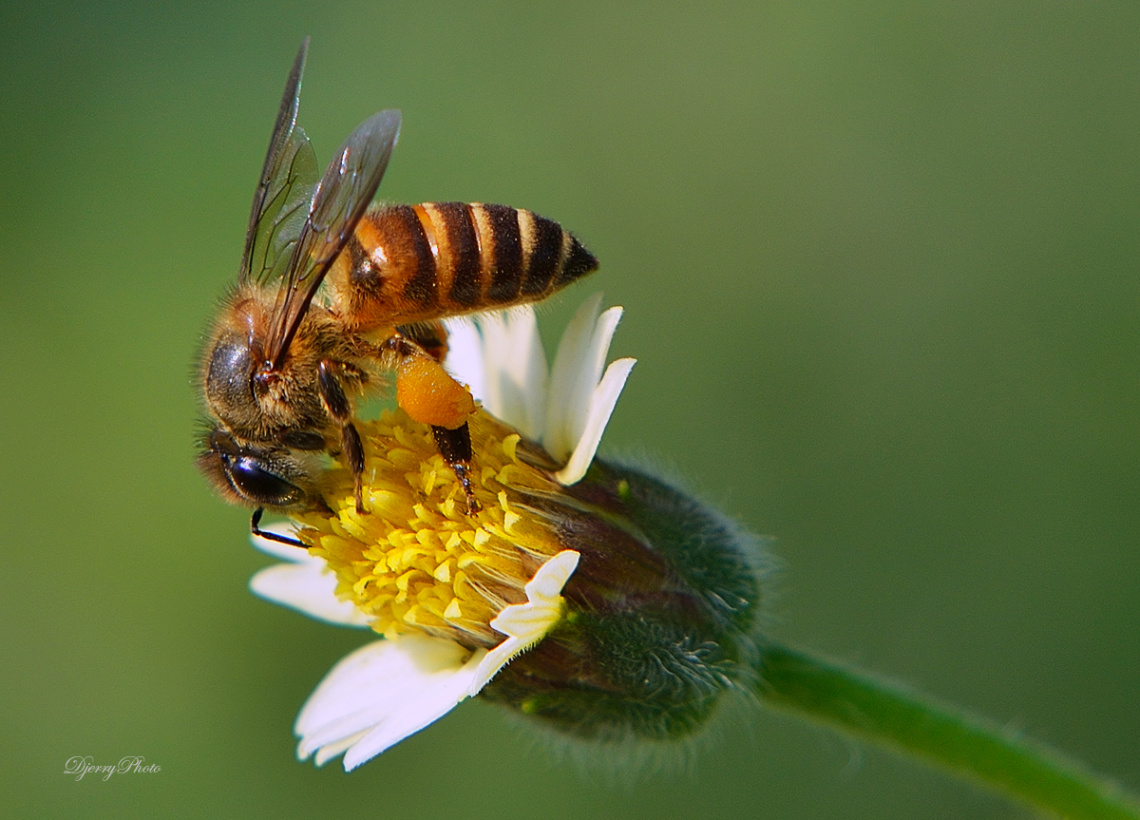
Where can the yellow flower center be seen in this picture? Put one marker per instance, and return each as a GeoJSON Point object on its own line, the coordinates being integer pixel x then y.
{"type": "Point", "coordinates": [416, 561]}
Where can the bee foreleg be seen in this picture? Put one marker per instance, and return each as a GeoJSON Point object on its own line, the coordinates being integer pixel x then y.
{"type": "Point", "coordinates": [255, 528]}
{"type": "Point", "coordinates": [336, 402]}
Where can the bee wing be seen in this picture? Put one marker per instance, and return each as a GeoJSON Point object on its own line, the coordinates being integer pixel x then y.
{"type": "Point", "coordinates": [284, 190]}
{"type": "Point", "coordinates": [341, 197]}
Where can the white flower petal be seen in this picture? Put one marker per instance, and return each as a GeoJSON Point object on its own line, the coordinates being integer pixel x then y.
{"type": "Point", "coordinates": [601, 407]}
{"type": "Point", "coordinates": [327, 753]}
{"type": "Point", "coordinates": [558, 436]}
{"type": "Point", "coordinates": [593, 362]}
{"type": "Point", "coordinates": [515, 368]}
{"type": "Point", "coordinates": [382, 693]}
{"type": "Point", "coordinates": [430, 704]}
{"type": "Point", "coordinates": [496, 349]}
{"type": "Point", "coordinates": [566, 410]}
{"type": "Point", "coordinates": [548, 583]}
{"type": "Point", "coordinates": [308, 587]}
{"type": "Point", "coordinates": [526, 624]}
{"type": "Point", "coordinates": [464, 358]}
{"type": "Point", "coordinates": [303, 583]}
{"type": "Point", "coordinates": [526, 374]}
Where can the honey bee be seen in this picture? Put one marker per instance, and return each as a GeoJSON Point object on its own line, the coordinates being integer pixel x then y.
{"type": "Point", "coordinates": [332, 296]}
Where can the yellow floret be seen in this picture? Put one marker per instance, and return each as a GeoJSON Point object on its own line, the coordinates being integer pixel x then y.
{"type": "Point", "coordinates": [415, 560]}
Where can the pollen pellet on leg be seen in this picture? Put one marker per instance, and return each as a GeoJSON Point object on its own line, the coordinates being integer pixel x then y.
{"type": "Point", "coordinates": [429, 395]}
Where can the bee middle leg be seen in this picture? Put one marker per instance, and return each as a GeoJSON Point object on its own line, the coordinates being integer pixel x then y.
{"type": "Point", "coordinates": [336, 402]}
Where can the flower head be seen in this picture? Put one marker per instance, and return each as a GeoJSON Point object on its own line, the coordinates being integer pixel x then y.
{"type": "Point", "coordinates": [455, 597]}
{"type": "Point", "coordinates": [593, 597]}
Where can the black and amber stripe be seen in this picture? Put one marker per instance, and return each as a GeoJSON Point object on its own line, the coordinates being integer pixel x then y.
{"type": "Point", "coordinates": [414, 263]}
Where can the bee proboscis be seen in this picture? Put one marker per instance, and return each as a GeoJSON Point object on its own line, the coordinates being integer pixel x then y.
{"type": "Point", "coordinates": [331, 296]}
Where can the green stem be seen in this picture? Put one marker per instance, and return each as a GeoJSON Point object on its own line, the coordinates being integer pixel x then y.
{"type": "Point", "coordinates": [897, 717]}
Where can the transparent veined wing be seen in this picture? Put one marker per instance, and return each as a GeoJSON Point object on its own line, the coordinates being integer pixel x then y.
{"type": "Point", "coordinates": [340, 200]}
{"type": "Point", "coordinates": [284, 191]}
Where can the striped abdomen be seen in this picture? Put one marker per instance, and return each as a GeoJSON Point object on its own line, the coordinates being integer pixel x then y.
{"type": "Point", "coordinates": [414, 263]}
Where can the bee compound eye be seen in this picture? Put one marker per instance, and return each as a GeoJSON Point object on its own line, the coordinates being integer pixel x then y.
{"type": "Point", "coordinates": [229, 377]}
{"type": "Point", "coordinates": [262, 486]}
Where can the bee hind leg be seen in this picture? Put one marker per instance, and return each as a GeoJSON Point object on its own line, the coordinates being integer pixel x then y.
{"type": "Point", "coordinates": [455, 447]}
{"type": "Point", "coordinates": [429, 394]}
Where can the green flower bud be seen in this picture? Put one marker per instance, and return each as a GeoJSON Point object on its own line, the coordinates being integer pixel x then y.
{"type": "Point", "coordinates": [660, 613]}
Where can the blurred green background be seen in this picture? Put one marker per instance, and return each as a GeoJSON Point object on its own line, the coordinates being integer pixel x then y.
{"type": "Point", "coordinates": [880, 266]}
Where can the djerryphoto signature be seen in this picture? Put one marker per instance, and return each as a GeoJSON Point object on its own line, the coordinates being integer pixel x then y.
{"type": "Point", "coordinates": [81, 766]}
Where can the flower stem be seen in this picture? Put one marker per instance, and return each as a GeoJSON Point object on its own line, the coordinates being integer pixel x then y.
{"type": "Point", "coordinates": [911, 723]}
